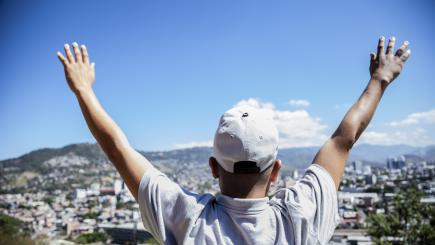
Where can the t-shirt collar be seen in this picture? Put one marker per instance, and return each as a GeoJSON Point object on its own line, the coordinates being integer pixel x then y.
{"type": "Point", "coordinates": [245, 205]}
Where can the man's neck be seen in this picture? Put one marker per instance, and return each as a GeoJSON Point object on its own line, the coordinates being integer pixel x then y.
{"type": "Point", "coordinates": [255, 192]}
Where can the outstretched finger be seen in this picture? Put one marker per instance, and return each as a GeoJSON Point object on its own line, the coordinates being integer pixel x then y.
{"type": "Point", "coordinates": [61, 58]}
{"type": "Point", "coordinates": [380, 47]}
{"type": "Point", "coordinates": [402, 49]}
{"type": "Point", "coordinates": [77, 52]}
{"type": "Point", "coordinates": [85, 54]}
{"type": "Point", "coordinates": [390, 46]}
{"type": "Point", "coordinates": [68, 53]}
{"type": "Point", "coordinates": [406, 55]}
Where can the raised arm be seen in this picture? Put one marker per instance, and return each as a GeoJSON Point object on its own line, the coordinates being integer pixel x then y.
{"type": "Point", "coordinates": [384, 68]}
{"type": "Point", "coordinates": [80, 75]}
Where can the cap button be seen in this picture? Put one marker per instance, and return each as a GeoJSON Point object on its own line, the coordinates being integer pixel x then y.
{"type": "Point", "coordinates": [245, 114]}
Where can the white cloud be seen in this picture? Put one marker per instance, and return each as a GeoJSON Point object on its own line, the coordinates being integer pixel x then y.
{"type": "Point", "coordinates": [206, 143]}
{"type": "Point", "coordinates": [416, 118]}
{"type": "Point", "coordinates": [417, 137]}
{"type": "Point", "coordinates": [299, 103]}
{"type": "Point", "coordinates": [296, 128]}
{"type": "Point", "coordinates": [417, 132]}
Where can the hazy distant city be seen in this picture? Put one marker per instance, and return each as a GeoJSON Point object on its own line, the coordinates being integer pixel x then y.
{"type": "Point", "coordinates": [62, 194]}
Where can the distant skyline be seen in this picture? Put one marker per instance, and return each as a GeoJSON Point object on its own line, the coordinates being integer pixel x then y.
{"type": "Point", "coordinates": [166, 71]}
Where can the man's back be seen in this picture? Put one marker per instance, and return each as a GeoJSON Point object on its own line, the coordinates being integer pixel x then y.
{"type": "Point", "coordinates": [292, 216]}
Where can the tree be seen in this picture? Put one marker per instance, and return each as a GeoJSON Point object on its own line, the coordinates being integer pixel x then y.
{"type": "Point", "coordinates": [13, 231]}
{"type": "Point", "coordinates": [91, 238]}
{"type": "Point", "coordinates": [408, 222]}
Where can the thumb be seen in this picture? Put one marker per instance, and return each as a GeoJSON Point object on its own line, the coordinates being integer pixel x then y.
{"type": "Point", "coordinates": [372, 57]}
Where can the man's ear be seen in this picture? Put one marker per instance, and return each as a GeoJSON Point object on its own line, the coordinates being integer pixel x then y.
{"type": "Point", "coordinates": [275, 170]}
{"type": "Point", "coordinates": [214, 166]}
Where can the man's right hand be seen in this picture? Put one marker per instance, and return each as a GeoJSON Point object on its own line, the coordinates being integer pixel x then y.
{"type": "Point", "coordinates": [79, 73]}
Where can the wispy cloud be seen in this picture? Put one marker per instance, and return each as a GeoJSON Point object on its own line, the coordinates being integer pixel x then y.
{"type": "Point", "coordinates": [206, 143]}
{"type": "Point", "coordinates": [415, 129]}
{"type": "Point", "coordinates": [298, 128]}
{"type": "Point", "coordinates": [417, 137]}
{"type": "Point", "coordinates": [416, 118]}
{"type": "Point", "coordinates": [299, 103]}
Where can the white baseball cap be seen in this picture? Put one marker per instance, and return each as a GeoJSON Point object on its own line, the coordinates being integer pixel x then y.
{"type": "Point", "coordinates": [246, 140]}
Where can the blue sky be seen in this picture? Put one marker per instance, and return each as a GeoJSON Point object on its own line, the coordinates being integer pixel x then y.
{"type": "Point", "coordinates": [166, 70]}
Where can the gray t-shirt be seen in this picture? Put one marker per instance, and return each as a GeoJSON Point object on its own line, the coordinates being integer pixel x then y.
{"type": "Point", "coordinates": [306, 213]}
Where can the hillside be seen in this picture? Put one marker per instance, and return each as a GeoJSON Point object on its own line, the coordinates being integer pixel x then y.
{"type": "Point", "coordinates": [36, 161]}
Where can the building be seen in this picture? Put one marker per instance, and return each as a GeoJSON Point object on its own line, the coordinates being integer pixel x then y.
{"type": "Point", "coordinates": [396, 162]}
{"type": "Point", "coordinates": [357, 166]}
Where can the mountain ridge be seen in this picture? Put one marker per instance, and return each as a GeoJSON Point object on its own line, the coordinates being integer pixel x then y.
{"type": "Point", "coordinates": [297, 157]}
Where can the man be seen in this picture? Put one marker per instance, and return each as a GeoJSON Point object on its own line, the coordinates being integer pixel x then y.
{"type": "Point", "coordinates": [244, 160]}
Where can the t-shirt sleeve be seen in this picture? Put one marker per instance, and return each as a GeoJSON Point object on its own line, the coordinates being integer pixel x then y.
{"type": "Point", "coordinates": [312, 204]}
{"type": "Point", "coordinates": [166, 208]}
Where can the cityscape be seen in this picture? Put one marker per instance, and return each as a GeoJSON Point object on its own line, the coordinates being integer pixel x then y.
{"type": "Point", "coordinates": [165, 71]}
{"type": "Point", "coordinates": [74, 194]}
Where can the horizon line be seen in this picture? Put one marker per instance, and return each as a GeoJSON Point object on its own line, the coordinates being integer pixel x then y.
{"type": "Point", "coordinates": [194, 147]}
